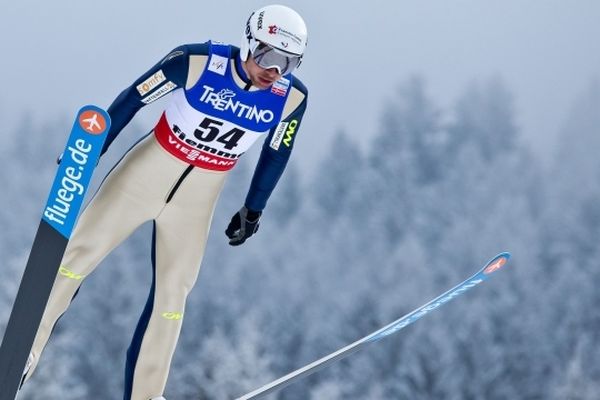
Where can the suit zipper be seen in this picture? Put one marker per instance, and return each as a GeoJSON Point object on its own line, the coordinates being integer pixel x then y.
{"type": "Point", "coordinates": [179, 182]}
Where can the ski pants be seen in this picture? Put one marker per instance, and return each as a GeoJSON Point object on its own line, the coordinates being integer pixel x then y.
{"type": "Point", "coordinates": [147, 184]}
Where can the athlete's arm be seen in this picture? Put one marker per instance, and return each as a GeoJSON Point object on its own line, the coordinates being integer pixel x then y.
{"type": "Point", "coordinates": [276, 153]}
{"type": "Point", "coordinates": [168, 74]}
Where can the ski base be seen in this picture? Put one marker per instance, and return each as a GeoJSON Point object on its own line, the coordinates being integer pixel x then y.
{"type": "Point", "coordinates": [492, 266]}
{"type": "Point", "coordinates": [79, 160]}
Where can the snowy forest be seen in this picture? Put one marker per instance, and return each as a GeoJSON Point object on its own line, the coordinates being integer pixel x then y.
{"type": "Point", "coordinates": [373, 233]}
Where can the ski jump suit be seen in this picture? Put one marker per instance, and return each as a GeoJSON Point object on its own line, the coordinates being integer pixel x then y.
{"type": "Point", "coordinates": [173, 176]}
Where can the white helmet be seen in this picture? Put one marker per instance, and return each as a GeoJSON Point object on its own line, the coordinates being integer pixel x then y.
{"type": "Point", "coordinates": [277, 28]}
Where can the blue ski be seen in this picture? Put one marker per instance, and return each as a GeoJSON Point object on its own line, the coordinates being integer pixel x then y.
{"type": "Point", "coordinates": [483, 274]}
{"type": "Point", "coordinates": [75, 170]}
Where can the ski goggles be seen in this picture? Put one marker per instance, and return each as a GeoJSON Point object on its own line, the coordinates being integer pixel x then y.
{"type": "Point", "coordinates": [268, 57]}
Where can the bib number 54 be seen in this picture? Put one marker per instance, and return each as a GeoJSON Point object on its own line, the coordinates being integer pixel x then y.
{"type": "Point", "coordinates": [210, 130]}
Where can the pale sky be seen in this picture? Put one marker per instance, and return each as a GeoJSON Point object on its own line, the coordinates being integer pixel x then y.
{"type": "Point", "coordinates": [57, 56]}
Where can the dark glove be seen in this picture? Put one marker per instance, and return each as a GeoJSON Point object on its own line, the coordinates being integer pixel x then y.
{"type": "Point", "coordinates": [243, 225]}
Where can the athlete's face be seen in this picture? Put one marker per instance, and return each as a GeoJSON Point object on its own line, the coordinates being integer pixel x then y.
{"type": "Point", "coordinates": [260, 77]}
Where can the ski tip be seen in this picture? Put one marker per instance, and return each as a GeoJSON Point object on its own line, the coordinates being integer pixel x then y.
{"type": "Point", "coordinates": [91, 107]}
{"type": "Point", "coordinates": [496, 263]}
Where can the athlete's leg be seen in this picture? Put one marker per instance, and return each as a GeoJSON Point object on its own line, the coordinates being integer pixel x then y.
{"type": "Point", "coordinates": [180, 236]}
{"type": "Point", "coordinates": [131, 194]}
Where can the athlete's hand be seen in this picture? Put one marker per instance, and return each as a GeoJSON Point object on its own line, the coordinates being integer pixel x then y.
{"type": "Point", "coordinates": [243, 225]}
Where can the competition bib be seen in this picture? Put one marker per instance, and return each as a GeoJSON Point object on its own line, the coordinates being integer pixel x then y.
{"type": "Point", "coordinates": [215, 122]}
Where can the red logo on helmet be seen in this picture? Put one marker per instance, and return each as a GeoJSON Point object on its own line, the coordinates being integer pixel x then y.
{"type": "Point", "coordinates": [273, 29]}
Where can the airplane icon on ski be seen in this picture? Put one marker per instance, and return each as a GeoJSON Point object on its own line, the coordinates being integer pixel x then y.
{"type": "Point", "coordinates": [92, 122]}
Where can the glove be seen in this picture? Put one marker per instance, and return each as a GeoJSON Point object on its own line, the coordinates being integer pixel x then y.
{"type": "Point", "coordinates": [242, 225]}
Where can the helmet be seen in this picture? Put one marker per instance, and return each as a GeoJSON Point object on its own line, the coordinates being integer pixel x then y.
{"type": "Point", "coordinates": [278, 28]}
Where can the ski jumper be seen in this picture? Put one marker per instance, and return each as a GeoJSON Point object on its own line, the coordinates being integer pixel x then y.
{"type": "Point", "coordinates": [173, 177]}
